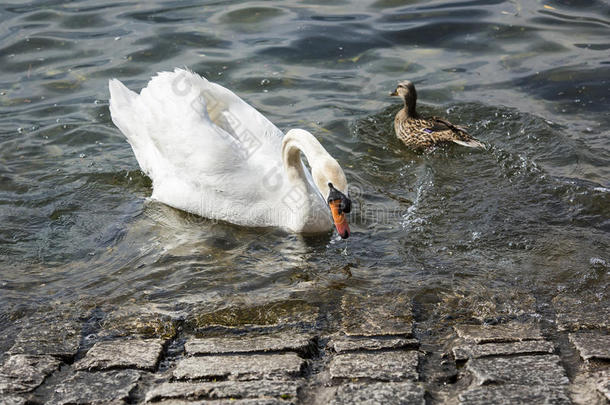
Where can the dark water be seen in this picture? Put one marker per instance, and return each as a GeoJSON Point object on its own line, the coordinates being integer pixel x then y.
{"type": "Point", "coordinates": [529, 217]}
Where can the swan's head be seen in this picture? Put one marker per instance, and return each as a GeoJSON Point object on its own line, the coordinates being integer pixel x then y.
{"type": "Point", "coordinates": [339, 205]}
{"type": "Point", "coordinates": [326, 172]}
{"type": "Point", "coordinates": [332, 183]}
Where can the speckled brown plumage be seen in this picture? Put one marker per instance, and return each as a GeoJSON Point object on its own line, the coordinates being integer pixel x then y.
{"type": "Point", "coordinates": [422, 133]}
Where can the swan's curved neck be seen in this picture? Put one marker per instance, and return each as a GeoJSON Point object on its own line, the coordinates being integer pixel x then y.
{"type": "Point", "coordinates": [293, 144]}
{"type": "Point", "coordinates": [313, 191]}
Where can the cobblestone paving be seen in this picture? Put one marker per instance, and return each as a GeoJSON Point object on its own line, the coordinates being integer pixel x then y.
{"type": "Point", "coordinates": [376, 353]}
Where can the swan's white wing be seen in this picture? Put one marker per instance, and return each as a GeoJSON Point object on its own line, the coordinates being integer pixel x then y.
{"type": "Point", "coordinates": [222, 107]}
{"type": "Point", "coordinates": [205, 149]}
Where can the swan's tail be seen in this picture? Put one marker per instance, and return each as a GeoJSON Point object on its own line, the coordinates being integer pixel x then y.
{"type": "Point", "coordinates": [121, 105]}
{"type": "Point", "coordinates": [119, 93]}
{"type": "Point", "coordinates": [124, 113]}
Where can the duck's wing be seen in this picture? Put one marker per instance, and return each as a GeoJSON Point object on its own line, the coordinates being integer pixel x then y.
{"type": "Point", "coordinates": [444, 131]}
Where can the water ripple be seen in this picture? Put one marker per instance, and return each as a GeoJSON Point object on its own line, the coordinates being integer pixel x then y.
{"type": "Point", "coordinates": [531, 81]}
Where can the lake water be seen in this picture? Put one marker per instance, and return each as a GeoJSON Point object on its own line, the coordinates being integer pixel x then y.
{"type": "Point", "coordinates": [527, 219]}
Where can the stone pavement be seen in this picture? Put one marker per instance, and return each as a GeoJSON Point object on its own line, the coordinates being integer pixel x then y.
{"type": "Point", "coordinates": [377, 352]}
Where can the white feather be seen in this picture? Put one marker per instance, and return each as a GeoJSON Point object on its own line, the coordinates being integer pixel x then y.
{"type": "Point", "coordinates": [210, 153]}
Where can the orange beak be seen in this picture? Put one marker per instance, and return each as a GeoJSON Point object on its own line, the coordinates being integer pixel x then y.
{"type": "Point", "coordinates": [339, 218]}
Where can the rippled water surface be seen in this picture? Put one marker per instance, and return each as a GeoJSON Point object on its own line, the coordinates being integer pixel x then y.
{"type": "Point", "coordinates": [529, 216]}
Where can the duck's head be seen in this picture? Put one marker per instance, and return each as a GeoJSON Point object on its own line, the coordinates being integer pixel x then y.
{"type": "Point", "coordinates": [332, 183]}
{"type": "Point", "coordinates": [406, 91]}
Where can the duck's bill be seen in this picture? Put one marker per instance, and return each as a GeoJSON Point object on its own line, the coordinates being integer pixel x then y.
{"type": "Point", "coordinates": [339, 218]}
{"type": "Point", "coordinates": [394, 93]}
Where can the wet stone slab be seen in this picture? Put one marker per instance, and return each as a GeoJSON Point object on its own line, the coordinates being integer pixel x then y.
{"type": "Point", "coordinates": [342, 344]}
{"type": "Point", "coordinates": [603, 384]}
{"type": "Point", "coordinates": [23, 373]}
{"type": "Point", "coordinates": [245, 344]}
{"type": "Point", "coordinates": [379, 393]}
{"type": "Point", "coordinates": [510, 332]}
{"type": "Point", "coordinates": [249, 401]}
{"type": "Point", "coordinates": [592, 345]}
{"type": "Point", "coordinates": [96, 387]}
{"type": "Point", "coordinates": [240, 367]}
{"type": "Point", "coordinates": [263, 389]}
{"type": "Point", "coordinates": [385, 366]}
{"type": "Point", "coordinates": [377, 315]}
{"type": "Point", "coordinates": [525, 370]}
{"type": "Point", "coordinates": [503, 349]}
{"type": "Point", "coordinates": [510, 394]}
{"type": "Point", "coordinates": [113, 402]}
{"type": "Point", "coordinates": [13, 400]}
{"type": "Point", "coordinates": [59, 338]}
{"type": "Point", "coordinates": [573, 314]}
{"type": "Point", "coordinates": [141, 354]}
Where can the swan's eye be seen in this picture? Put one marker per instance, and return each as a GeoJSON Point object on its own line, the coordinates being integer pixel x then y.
{"type": "Point", "coordinates": [346, 204]}
{"type": "Point", "coordinates": [333, 194]}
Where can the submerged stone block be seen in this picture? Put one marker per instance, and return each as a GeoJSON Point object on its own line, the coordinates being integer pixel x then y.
{"type": "Point", "coordinates": [385, 366]}
{"type": "Point", "coordinates": [502, 349]}
{"type": "Point", "coordinates": [342, 344]}
{"type": "Point", "coordinates": [8, 334]}
{"type": "Point", "coordinates": [399, 393]}
{"type": "Point", "coordinates": [575, 314]}
{"type": "Point", "coordinates": [97, 387]}
{"type": "Point", "coordinates": [139, 321]}
{"type": "Point", "coordinates": [244, 344]}
{"type": "Point", "coordinates": [23, 373]}
{"type": "Point", "coordinates": [141, 354]}
{"type": "Point", "coordinates": [273, 314]}
{"type": "Point", "coordinates": [240, 367]}
{"type": "Point", "coordinates": [377, 315]}
{"type": "Point", "coordinates": [509, 332]}
{"type": "Point", "coordinates": [525, 370]}
{"type": "Point", "coordinates": [592, 345]}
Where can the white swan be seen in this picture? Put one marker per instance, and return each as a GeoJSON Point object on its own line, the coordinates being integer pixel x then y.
{"type": "Point", "coordinates": [210, 153]}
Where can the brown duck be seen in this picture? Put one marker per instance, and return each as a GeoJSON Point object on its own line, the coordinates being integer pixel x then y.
{"type": "Point", "coordinates": [421, 133]}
